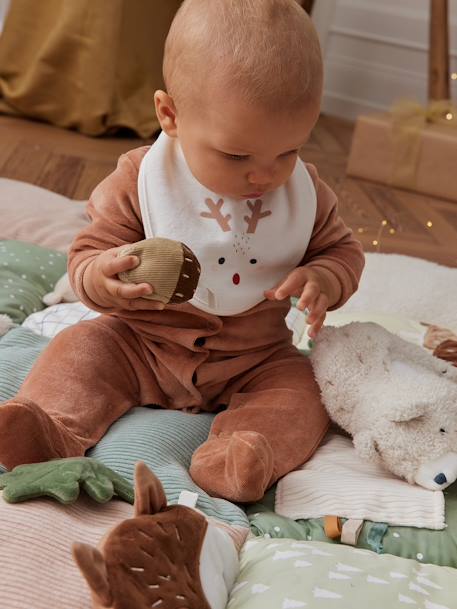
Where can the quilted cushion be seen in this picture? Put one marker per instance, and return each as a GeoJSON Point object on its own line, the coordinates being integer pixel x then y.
{"type": "Point", "coordinates": [34, 214]}
{"type": "Point", "coordinates": [18, 350]}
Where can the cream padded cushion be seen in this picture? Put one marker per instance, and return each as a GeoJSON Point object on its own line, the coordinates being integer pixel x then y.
{"type": "Point", "coordinates": [34, 214]}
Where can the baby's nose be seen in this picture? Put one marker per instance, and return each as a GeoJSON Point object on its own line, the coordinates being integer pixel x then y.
{"type": "Point", "coordinates": [261, 177]}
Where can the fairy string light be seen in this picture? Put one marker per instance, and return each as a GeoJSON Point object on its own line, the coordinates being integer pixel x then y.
{"type": "Point", "coordinates": [378, 240]}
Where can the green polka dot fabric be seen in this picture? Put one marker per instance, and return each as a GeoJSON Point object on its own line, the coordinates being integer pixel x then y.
{"type": "Point", "coordinates": [27, 273]}
{"type": "Point", "coordinates": [287, 574]}
{"type": "Point", "coordinates": [423, 545]}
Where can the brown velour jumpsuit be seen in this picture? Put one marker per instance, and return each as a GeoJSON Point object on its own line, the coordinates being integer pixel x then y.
{"type": "Point", "coordinates": [270, 417]}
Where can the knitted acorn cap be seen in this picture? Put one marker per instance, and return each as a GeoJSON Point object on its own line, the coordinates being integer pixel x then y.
{"type": "Point", "coordinates": [170, 267]}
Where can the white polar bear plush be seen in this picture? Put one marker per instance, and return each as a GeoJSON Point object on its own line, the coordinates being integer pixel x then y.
{"type": "Point", "coordinates": [398, 402]}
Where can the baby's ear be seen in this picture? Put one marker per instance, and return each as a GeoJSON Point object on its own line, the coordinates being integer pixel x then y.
{"type": "Point", "coordinates": [149, 494]}
{"type": "Point", "coordinates": [92, 565]}
{"type": "Point", "coordinates": [166, 112]}
{"type": "Point", "coordinates": [404, 413]}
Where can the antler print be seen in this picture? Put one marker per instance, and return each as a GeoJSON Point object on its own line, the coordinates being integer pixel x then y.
{"type": "Point", "coordinates": [215, 212]}
{"type": "Point", "coordinates": [256, 215]}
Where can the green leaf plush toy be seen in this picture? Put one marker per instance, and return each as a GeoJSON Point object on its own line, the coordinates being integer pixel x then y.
{"type": "Point", "coordinates": [62, 479]}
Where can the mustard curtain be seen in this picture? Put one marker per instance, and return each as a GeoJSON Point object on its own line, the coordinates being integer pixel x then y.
{"type": "Point", "coordinates": [90, 65]}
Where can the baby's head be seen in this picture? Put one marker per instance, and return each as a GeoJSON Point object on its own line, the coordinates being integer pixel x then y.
{"type": "Point", "coordinates": [244, 82]}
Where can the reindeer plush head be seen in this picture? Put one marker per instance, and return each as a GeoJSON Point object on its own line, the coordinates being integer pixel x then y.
{"type": "Point", "coordinates": [166, 557]}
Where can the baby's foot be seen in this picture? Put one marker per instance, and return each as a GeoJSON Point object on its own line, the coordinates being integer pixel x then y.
{"type": "Point", "coordinates": [236, 466]}
{"type": "Point", "coordinates": [29, 435]}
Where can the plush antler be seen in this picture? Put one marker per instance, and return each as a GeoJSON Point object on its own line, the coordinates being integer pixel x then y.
{"type": "Point", "coordinates": [256, 215]}
{"type": "Point", "coordinates": [215, 212]}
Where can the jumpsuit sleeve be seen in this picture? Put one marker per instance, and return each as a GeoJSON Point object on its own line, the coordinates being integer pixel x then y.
{"type": "Point", "coordinates": [333, 250]}
{"type": "Point", "coordinates": [115, 220]}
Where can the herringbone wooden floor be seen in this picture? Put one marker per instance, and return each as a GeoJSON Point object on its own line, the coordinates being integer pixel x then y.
{"type": "Point", "coordinates": [384, 219]}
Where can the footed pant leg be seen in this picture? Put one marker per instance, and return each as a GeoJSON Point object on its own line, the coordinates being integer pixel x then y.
{"type": "Point", "coordinates": [274, 422]}
{"type": "Point", "coordinates": [88, 376]}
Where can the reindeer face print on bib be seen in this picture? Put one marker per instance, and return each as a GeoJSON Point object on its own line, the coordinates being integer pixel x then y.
{"type": "Point", "coordinates": [244, 246]}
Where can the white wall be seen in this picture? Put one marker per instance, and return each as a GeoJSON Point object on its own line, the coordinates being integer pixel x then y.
{"type": "Point", "coordinates": [376, 52]}
{"type": "Point", "coordinates": [4, 4]}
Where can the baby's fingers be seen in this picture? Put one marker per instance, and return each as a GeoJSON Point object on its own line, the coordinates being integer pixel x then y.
{"type": "Point", "coordinates": [119, 264]}
{"type": "Point", "coordinates": [316, 325]}
{"type": "Point", "coordinates": [318, 308]}
{"type": "Point", "coordinates": [144, 304]}
{"type": "Point", "coordinates": [317, 315]}
{"type": "Point", "coordinates": [130, 296]}
{"type": "Point", "coordinates": [270, 294]}
{"type": "Point", "coordinates": [128, 291]}
{"type": "Point", "coordinates": [290, 286]}
{"type": "Point", "coordinates": [309, 296]}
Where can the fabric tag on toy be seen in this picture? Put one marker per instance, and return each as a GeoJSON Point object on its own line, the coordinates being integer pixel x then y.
{"type": "Point", "coordinates": [188, 499]}
{"type": "Point", "coordinates": [351, 531]}
{"type": "Point", "coordinates": [297, 321]}
{"type": "Point", "coordinates": [332, 527]}
{"type": "Point", "coordinates": [376, 535]}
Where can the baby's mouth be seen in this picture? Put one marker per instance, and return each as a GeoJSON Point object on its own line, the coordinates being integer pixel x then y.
{"type": "Point", "coordinates": [236, 279]}
{"type": "Point", "coordinates": [253, 195]}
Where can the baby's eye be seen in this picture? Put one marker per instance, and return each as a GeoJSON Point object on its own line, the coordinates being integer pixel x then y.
{"type": "Point", "coordinates": [253, 261]}
{"type": "Point", "coordinates": [290, 153]}
{"type": "Point", "coordinates": [442, 430]}
{"type": "Point", "coordinates": [221, 260]}
{"type": "Point", "coordinates": [236, 157]}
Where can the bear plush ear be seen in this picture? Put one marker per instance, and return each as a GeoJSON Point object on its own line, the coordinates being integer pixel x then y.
{"type": "Point", "coordinates": [149, 494]}
{"type": "Point", "coordinates": [404, 413]}
{"type": "Point", "coordinates": [365, 445]}
{"type": "Point", "coordinates": [92, 565]}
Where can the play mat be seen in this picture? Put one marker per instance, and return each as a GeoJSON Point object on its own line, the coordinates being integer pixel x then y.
{"type": "Point", "coordinates": [285, 563]}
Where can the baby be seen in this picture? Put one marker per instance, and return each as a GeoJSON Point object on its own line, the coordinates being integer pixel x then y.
{"type": "Point", "coordinates": [244, 82]}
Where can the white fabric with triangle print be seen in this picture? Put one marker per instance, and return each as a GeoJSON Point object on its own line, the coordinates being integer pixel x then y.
{"type": "Point", "coordinates": [244, 246]}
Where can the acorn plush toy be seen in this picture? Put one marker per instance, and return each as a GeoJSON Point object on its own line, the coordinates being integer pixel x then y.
{"type": "Point", "coordinates": [170, 267]}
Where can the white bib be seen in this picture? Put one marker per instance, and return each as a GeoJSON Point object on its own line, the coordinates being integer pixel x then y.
{"type": "Point", "coordinates": [244, 246]}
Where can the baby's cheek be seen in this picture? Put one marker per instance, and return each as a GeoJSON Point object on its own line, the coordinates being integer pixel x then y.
{"type": "Point", "coordinates": [290, 166]}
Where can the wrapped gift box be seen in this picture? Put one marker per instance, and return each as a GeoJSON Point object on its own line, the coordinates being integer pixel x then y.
{"type": "Point", "coordinates": [422, 158]}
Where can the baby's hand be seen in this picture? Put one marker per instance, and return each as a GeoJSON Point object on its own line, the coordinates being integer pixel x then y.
{"type": "Point", "coordinates": [103, 286]}
{"type": "Point", "coordinates": [308, 286]}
